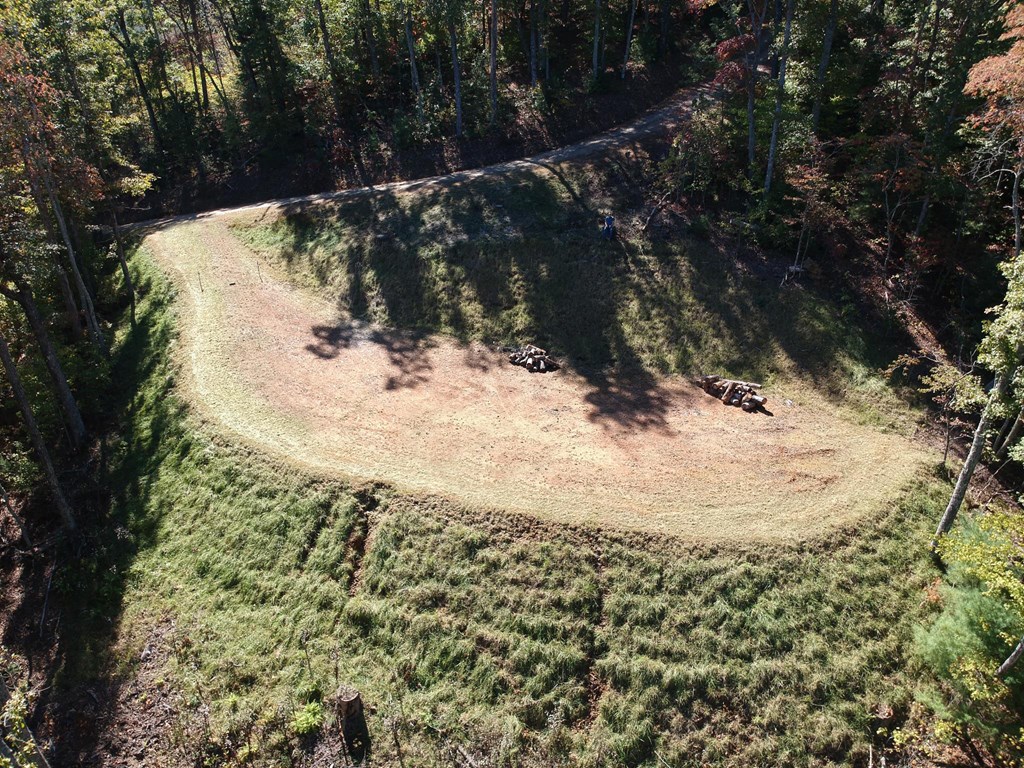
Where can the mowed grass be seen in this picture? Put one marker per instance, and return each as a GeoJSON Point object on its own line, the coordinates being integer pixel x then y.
{"type": "Point", "coordinates": [517, 257]}
{"type": "Point", "coordinates": [513, 642]}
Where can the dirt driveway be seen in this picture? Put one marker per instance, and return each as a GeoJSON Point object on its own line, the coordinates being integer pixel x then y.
{"type": "Point", "coordinates": [272, 364]}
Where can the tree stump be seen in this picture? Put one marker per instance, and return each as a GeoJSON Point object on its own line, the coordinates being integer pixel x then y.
{"type": "Point", "coordinates": [351, 718]}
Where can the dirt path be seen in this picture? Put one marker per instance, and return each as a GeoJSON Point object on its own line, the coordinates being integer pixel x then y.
{"type": "Point", "coordinates": [269, 362]}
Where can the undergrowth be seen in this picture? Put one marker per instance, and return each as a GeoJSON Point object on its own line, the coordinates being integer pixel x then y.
{"type": "Point", "coordinates": [507, 640]}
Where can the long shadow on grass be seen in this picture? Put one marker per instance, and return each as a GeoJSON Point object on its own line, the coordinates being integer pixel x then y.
{"type": "Point", "coordinates": [517, 258]}
{"type": "Point", "coordinates": [90, 584]}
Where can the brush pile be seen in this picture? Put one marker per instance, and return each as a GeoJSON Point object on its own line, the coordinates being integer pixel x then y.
{"type": "Point", "coordinates": [741, 393]}
{"type": "Point", "coordinates": [534, 359]}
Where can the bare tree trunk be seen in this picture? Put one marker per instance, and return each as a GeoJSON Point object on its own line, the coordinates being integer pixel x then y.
{"type": "Point", "coordinates": [1015, 208]}
{"type": "Point", "coordinates": [543, 40]}
{"type": "Point", "coordinates": [1012, 659]}
{"type": "Point", "coordinates": [826, 53]}
{"type": "Point", "coordinates": [456, 76]}
{"type": "Point", "coordinates": [629, 37]}
{"type": "Point", "coordinates": [597, 36]}
{"type": "Point", "coordinates": [494, 61]}
{"type": "Point", "coordinates": [757, 19]}
{"type": "Point", "coordinates": [1018, 424]}
{"type": "Point", "coordinates": [371, 38]}
{"type": "Point", "coordinates": [779, 94]}
{"type": "Point", "coordinates": [72, 415]}
{"type": "Point", "coordinates": [83, 292]}
{"type": "Point", "coordinates": [332, 65]}
{"type": "Point", "coordinates": [126, 47]}
{"type": "Point", "coordinates": [666, 15]}
{"type": "Point", "coordinates": [533, 43]}
{"type": "Point", "coordinates": [74, 321]}
{"type": "Point", "coordinates": [194, 14]}
{"type": "Point", "coordinates": [35, 436]}
{"type": "Point", "coordinates": [751, 125]}
{"type": "Point", "coordinates": [119, 247]}
{"type": "Point", "coordinates": [411, 45]}
{"type": "Point", "coordinates": [973, 457]}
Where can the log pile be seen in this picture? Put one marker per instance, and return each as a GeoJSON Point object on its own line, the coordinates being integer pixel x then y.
{"type": "Point", "coordinates": [534, 359]}
{"type": "Point", "coordinates": [741, 393]}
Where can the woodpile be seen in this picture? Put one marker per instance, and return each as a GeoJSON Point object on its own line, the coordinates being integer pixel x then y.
{"type": "Point", "coordinates": [534, 359]}
{"type": "Point", "coordinates": [741, 393]}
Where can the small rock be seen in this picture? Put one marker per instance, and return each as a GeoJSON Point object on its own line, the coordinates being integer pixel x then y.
{"type": "Point", "coordinates": [788, 403]}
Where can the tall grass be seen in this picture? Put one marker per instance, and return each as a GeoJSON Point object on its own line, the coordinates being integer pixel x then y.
{"type": "Point", "coordinates": [511, 641]}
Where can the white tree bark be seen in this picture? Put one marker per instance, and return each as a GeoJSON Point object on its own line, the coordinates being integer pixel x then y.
{"type": "Point", "coordinates": [963, 481]}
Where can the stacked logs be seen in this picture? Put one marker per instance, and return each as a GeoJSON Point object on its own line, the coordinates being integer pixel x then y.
{"type": "Point", "coordinates": [534, 359]}
{"type": "Point", "coordinates": [741, 393]}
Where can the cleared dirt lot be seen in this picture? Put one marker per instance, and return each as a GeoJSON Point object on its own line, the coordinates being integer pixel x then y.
{"type": "Point", "coordinates": [275, 366]}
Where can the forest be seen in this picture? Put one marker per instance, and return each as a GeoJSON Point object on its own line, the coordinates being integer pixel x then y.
{"type": "Point", "coordinates": [212, 225]}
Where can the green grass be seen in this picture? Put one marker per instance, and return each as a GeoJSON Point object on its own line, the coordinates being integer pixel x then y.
{"type": "Point", "coordinates": [517, 257]}
{"type": "Point", "coordinates": [525, 643]}
{"type": "Point", "coordinates": [519, 642]}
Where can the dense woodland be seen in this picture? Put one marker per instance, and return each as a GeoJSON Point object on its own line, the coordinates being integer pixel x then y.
{"type": "Point", "coordinates": [881, 143]}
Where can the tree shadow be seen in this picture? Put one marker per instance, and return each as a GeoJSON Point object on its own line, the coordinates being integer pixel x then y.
{"type": "Point", "coordinates": [408, 353]}
{"type": "Point", "coordinates": [517, 258]}
{"type": "Point", "coordinates": [84, 592]}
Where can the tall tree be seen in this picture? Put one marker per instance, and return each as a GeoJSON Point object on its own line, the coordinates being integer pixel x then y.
{"type": "Point", "coordinates": [780, 92]}
{"type": "Point", "coordinates": [35, 436]}
{"type": "Point", "coordinates": [826, 54]}
{"type": "Point", "coordinates": [1000, 80]}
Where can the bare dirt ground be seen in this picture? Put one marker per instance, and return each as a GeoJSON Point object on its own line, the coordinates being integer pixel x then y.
{"type": "Point", "coordinates": [275, 366]}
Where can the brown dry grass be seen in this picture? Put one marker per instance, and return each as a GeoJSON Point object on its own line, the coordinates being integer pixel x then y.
{"type": "Point", "coordinates": [429, 415]}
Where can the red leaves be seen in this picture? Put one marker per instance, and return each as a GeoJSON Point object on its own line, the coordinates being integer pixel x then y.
{"type": "Point", "coordinates": [1000, 79]}
{"type": "Point", "coordinates": [30, 138]}
{"type": "Point", "coordinates": [734, 46]}
{"type": "Point", "coordinates": [731, 75]}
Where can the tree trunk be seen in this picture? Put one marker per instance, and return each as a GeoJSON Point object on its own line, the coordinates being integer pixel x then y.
{"type": "Point", "coordinates": [456, 76]}
{"type": "Point", "coordinates": [597, 36]}
{"type": "Point", "coordinates": [194, 14]}
{"type": "Point", "coordinates": [826, 53]}
{"type": "Point", "coordinates": [1011, 660]}
{"type": "Point", "coordinates": [119, 247]}
{"type": "Point", "coordinates": [126, 47]}
{"type": "Point", "coordinates": [72, 415]}
{"type": "Point", "coordinates": [753, 59]}
{"type": "Point", "coordinates": [629, 37]}
{"type": "Point", "coordinates": [494, 61]}
{"type": "Point", "coordinates": [751, 124]}
{"type": "Point", "coordinates": [1018, 424]}
{"type": "Point", "coordinates": [332, 65]}
{"type": "Point", "coordinates": [533, 43]}
{"type": "Point", "coordinates": [666, 16]}
{"type": "Point", "coordinates": [545, 53]}
{"type": "Point", "coordinates": [35, 436]}
{"type": "Point", "coordinates": [83, 293]}
{"type": "Point", "coordinates": [371, 38]}
{"type": "Point", "coordinates": [1015, 208]}
{"type": "Point", "coordinates": [779, 94]}
{"type": "Point", "coordinates": [74, 320]}
{"type": "Point", "coordinates": [411, 45]}
{"type": "Point", "coordinates": [973, 457]}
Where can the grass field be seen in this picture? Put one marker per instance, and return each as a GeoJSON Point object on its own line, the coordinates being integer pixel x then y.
{"type": "Point", "coordinates": [257, 585]}
{"type": "Point", "coordinates": [520, 642]}
{"type": "Point", "coordinates": [329, 383]}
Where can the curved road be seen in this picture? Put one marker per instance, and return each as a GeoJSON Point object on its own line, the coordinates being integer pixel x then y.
{"type": "Point", "coordinates": [428, 415]}
{"type": "Point", "coordinates": [670, 114]}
